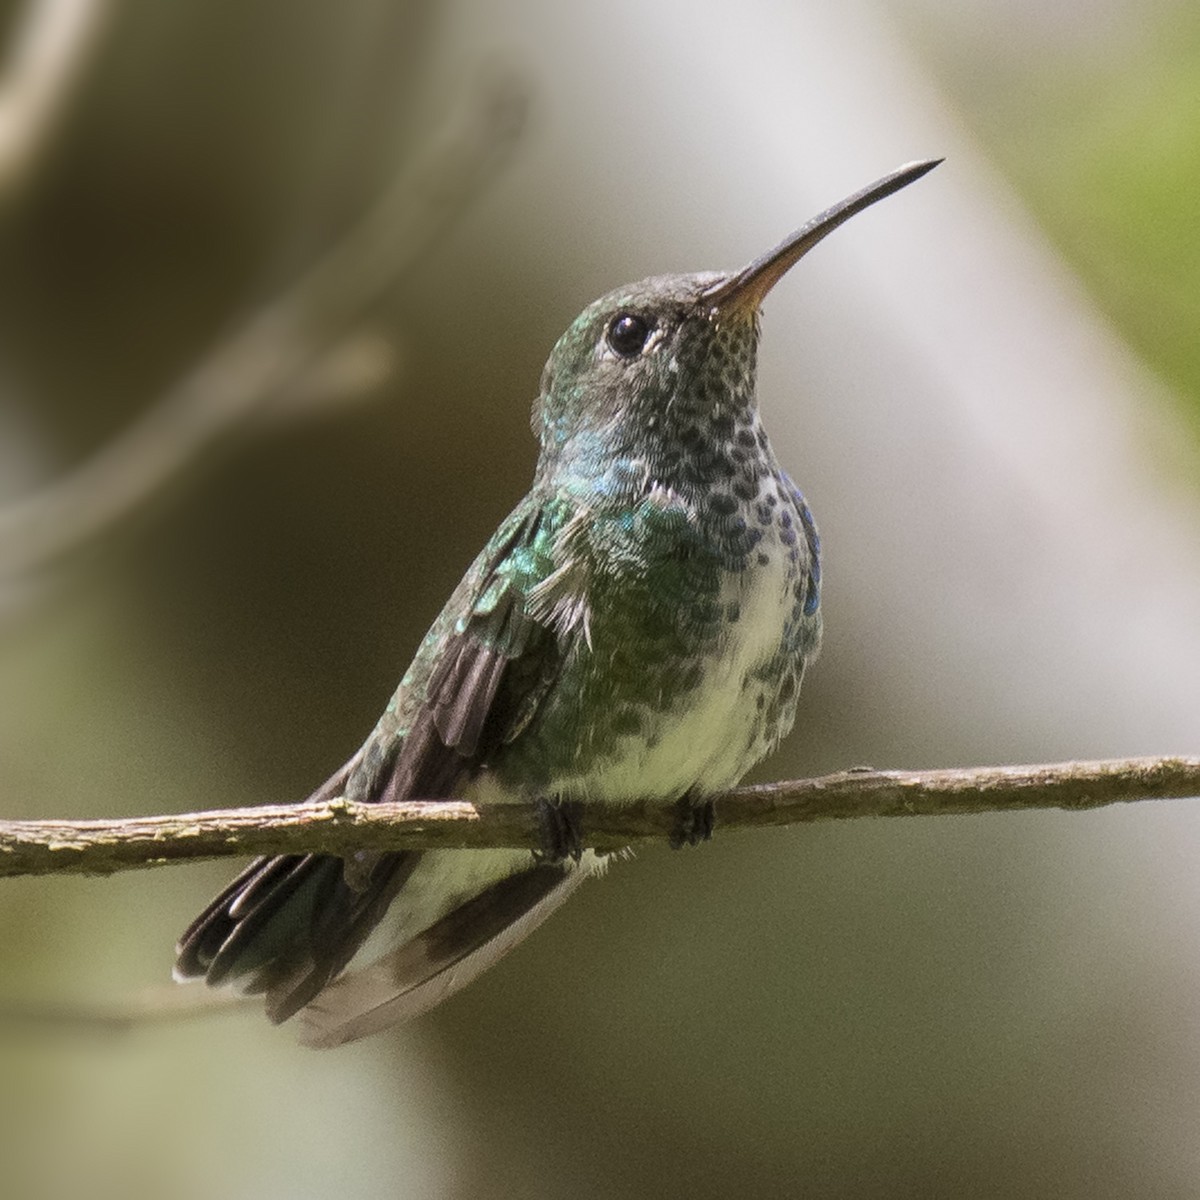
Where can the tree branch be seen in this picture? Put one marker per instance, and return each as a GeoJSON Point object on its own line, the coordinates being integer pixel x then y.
{"type": "Point", "coordinates": [158, 1005]}
{"type": "Point", "coordinates": [50, 49]}
{"type": "Point", "coordinates": [340, 827]}
{"type": "Point", "coordinates": [299, 352]}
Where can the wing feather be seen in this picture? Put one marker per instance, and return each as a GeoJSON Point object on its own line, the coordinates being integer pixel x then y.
{"type": "Point", "coordinates": [288, 926]}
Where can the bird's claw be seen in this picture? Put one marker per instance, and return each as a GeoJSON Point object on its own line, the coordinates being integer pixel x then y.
{"type": "Point", "coordinates": [558, 823]}
{"type": "Point", "coordinates": [694, 822]}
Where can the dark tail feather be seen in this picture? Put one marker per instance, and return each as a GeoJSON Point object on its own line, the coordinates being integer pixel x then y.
{"type": "Point", "coordinates": [286, 926]}
{"type": "Point", "coordinates": [202, 950]}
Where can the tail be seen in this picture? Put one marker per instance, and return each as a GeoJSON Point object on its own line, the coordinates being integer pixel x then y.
{"type": "Point", "coordinates": [288, 926]}
{"type": "Point", "coordinates": [424, 969]}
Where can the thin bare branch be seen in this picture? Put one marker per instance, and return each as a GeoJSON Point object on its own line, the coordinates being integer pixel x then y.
{"type": "Point", "coordinates": [259, 369]}
{"type": "Point", "coordinates": [159, 1005]}
{"type": "Point", "coordinates": [340, 827]}
{"type": "Point", "coordinates": [50, 50]}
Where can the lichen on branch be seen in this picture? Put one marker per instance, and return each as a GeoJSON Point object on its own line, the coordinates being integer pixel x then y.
{"type": "Point", "coordinates": [103, 847]}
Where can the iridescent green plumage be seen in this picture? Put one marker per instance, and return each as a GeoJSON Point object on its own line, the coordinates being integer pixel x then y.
{"type": "Point", "coordinates": [637, 628]}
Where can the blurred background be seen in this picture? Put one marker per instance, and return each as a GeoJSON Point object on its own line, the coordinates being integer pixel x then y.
{"type": "Point", "coordinates": [277, 280]}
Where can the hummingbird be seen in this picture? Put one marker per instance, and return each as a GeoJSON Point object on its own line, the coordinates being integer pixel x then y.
{"type": "Point", "coordinates": [638, 628]}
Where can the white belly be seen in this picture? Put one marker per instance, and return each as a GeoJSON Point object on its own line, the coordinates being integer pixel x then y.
{"type": "Point", "coordinates": [712, 740]}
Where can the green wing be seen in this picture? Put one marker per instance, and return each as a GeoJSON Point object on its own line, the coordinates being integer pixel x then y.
{"type": "Point", "coordinates": [288, 925]}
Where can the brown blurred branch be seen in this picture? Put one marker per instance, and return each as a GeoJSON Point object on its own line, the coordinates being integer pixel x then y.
{"type": "Point", "coordinates": [300, 351]}
{"type": "Point", "coordinates": [340, 827]}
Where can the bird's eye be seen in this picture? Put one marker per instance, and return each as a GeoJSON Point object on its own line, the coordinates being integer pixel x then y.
{"type": "Point", "coordinates": [627, 334]}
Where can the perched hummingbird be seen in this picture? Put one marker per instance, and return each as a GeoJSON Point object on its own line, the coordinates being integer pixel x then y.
{"type": "Point", "coordinates": [636, 629]}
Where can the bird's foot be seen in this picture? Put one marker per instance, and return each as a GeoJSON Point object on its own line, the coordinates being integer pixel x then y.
{"type": "Point", "coordinates": [558, 822]}
{"type": "Point", "coordinates": [694, 822]}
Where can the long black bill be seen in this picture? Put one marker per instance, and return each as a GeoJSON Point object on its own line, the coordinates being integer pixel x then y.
{"type": "Point", "coordinates": [745, 291]}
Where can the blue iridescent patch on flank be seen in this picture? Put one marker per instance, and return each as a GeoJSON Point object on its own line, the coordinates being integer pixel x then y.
{"type": "Point", "coordinates": [813, 538]}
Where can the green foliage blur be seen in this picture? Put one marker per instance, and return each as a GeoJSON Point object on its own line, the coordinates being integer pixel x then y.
{"type": "Point", "coordinates": [1104, 148]}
